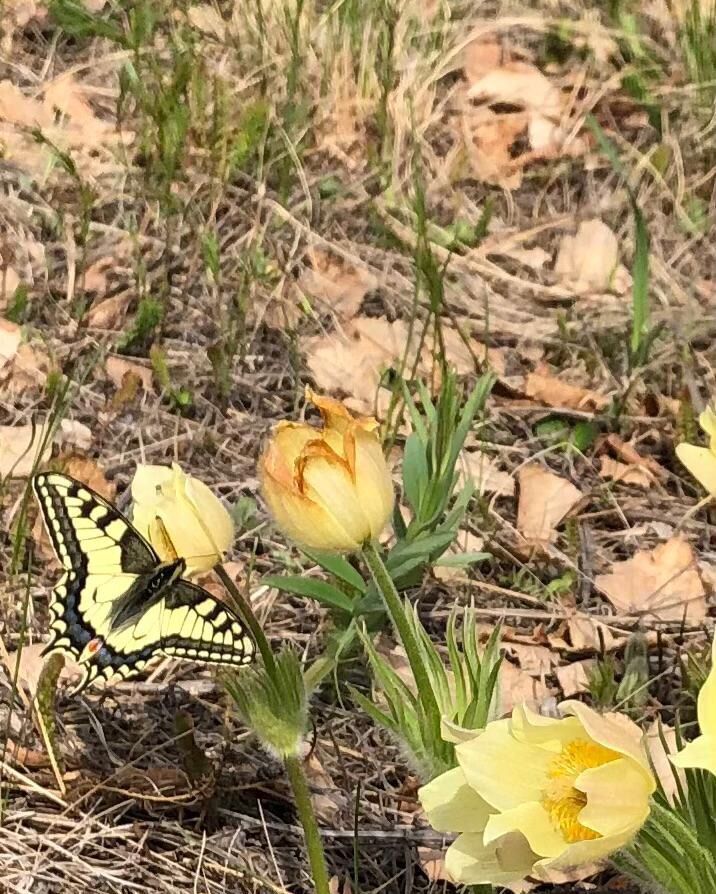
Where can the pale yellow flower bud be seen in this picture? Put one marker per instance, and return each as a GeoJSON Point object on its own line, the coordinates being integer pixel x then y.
{"type": "Point", "coordinates": [180, 517]}
{"type": "Point", "coordinates": [701, 461]}
{"type": "Point", "coordinates": [327, 488]}
{"type": "Point", "coordinates": [533, 793]}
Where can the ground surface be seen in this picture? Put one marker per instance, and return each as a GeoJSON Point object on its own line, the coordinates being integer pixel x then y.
{"type": "Point", "coordinates": [206, 207]}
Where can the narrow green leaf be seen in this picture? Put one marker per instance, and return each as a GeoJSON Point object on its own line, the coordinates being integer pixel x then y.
{"type": "Point", "coordinates": [459, 560]}
{"type": "Point", "coordinates": [415, 471]}
{"type": "Point", "coordinates": [315, 589]}
{"type": "Point", "coordinates": [337, 566]}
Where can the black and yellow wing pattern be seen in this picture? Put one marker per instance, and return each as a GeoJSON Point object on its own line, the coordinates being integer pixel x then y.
{"type": "Point", "coordinates": [117, 606]}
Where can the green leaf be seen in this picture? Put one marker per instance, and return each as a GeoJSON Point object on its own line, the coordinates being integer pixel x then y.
{"type": "Point", "coordinates": [316, 589]}
{"type": "Point", "coordinates": [415, 471]}
{"type": "Point", "coordinates": [458, 560]}
{"type": "Point", "coordinates": [339, 567]}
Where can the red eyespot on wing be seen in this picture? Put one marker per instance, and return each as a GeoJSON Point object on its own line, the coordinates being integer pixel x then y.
{"type": "Point", "coordinates": [94, 645]}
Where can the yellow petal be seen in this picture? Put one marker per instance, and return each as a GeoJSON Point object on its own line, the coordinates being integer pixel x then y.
{"type": "Point", "coordinates": [211, 513]}
{"type": "Point", "coordinates": [328, 483]}
{"type": "Point", "coordinates": [284, 449]}
{"type": "Point", "coordinates": [706, 705]}
{"type": "Point", "coordinates": [533, 821]}
{"type": "Point", "coordinates": [701, 754]}
{"type": "Point", "coordinates": [373, 481]}
{"type": "Point", "coordinates": [451, 805]}
{"type": "Point", "coordinates": [303, 520]}
{"type": "Point", "coordinates": [581, 853]}
{"type": "Point", "coordinates": [549, 732]}
{"type": "Point", "coordinates": [617, 797]}
{"type": "Point", "coordinates": [701, 462]}
{"type": "Point", "coordinates": [335, 414]}
{"type": "Point", "coordinates": [621, 735]}
{"type": "Point", "coordinates": [453, 732]}
{"type": "Point", "coordinates": [148, 482]}
{"type": "Point", "coordinates": [470, 862]}
{"type": "Point", "coordinates": [506, 773]}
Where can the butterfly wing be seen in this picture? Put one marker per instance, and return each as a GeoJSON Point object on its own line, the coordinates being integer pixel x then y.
{"type": "Point", "coordinates": [101, 553]}
{"type": "Point", "coordinates": [195, 625]}
{"type": "Point", "coordinates": [103, 556]}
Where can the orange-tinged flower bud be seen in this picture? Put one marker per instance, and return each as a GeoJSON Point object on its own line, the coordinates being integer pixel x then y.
{"type": "Point", "coordinates": [327, 488]}
{"type": "Point", "coordinates": [180, 516]}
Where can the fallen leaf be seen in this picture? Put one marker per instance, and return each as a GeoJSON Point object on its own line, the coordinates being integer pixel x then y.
{"type": "Point", "coordinates": [543, 386]}
{"type": "Point", "coordinates": [19, 446]}
{"type": "Point", "coordinates": [22, 365]}
{"type": "Point", "coordinates": [589, 260]}
{"type": "Point", "coordinates": [465, 542]}
{"type": "Point", "coordinates": [662, 583]}
{"type": "Point", "coordinates": [338, 283]}
{"type": "Point", "coordinates": [335, 887]}
{"type": "Point", "coordinates": [31, 662]}
{"type": "Point", "coordinates": [486, 476]}
{"type": "Point", "coordinates": [108, 313]}
{"type": "Point", "coordinates": [630, 455]}
{"type": "Point", "coordinates": [89, 472]}
{"type": "Point", "coordinates": [515, 686]}
{"type": "Point", "coordinates": [62, 114]}
{"type": "Point", "coordinates": [545, 500]}
{"type": "Point", "coordinates": [535, 660]}
{"type": "Point", "coordinates": [207, 19]}
{"type": "Point", "coordinates": [512, 114]}
{"type": "Point", "coordinates": [74, 433]}
{"type": "Point", "coordinates": [614, 470]}
{"type": "Point", "coordinates": [574, 678]}
{"type": "Point", "coordinates": [9, 281]}
{"type": "Point", "coordinates": [351, 363]}
{"type": "Point", "coordinates": [328, 801]}
{"type": "Point", "coordinates": [118, 368]}
{"type": "Point", "coordinates": [590, 634]}
{"type": "Point", "coordinates": [95, 276]}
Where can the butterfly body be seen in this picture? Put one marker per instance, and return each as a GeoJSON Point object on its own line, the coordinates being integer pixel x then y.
{"type": "Point", "coordinates": [117, 605]}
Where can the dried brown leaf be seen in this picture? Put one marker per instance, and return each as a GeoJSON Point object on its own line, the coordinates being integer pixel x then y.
{"type": "Point", "coordinates": [118, 368]}
{"type": "Point", "coordinates": [515, 686]}
{"type": "Point", "coordinates": [545, 500]}
{"type": "Point", "coordinates": [485, 473]}
{"type": "Point", "coordinates": [589, 260]}
{"type": "Point", "coordinates": [574, 678]}
{"type": "Point", "coordinates": [19, 445]}
{"type": "Point", "coordinates": [336, 282]}
{"type": "Point", "coordinates": [108, 313]}
{"type": "Point", "coordinates": [614, 470]}
{"type": "Point", "coordinates": [663, 583]}
{"type": "Point", "coordinates": [541, 385]}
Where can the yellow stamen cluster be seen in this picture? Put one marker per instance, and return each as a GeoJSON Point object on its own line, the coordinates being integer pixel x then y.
{"type": "Point", "coordinates": [562, 800]}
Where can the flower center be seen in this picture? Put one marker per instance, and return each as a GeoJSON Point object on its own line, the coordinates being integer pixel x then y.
{"type": "Point", "coordinates": [560, 798]}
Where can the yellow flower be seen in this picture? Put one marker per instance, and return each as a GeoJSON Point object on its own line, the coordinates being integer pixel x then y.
{"type": "Point", "coordinates": [180, 516]}
{"type": "Point", "coordinates": [701, 753]}
{"type": "Point", "coordinates": [327, 488]}
{"type": "Point", "coordinates": [533, 793]}
{"type": "Point", "coordinates": [701, 461]}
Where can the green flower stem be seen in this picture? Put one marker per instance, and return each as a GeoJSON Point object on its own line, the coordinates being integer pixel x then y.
{"type": "Point", "coordinates": [314, 846]}
{"type": "Point", "coordinates": [250, 619]}
{"type": "Point", "coordinates": [385, 586]}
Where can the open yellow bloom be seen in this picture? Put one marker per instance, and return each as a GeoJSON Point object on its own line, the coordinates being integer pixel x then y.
{"type": "Point", "coordinates": [180, 517]}
{"type": "Point", "coordinates": [327, 488]}
{"type": "Point", "coordinates": [701, 461]}
{"type": "Point", "coordinates": [701, 753]}
{"type": "Point", "coordinates": [534, 793]}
